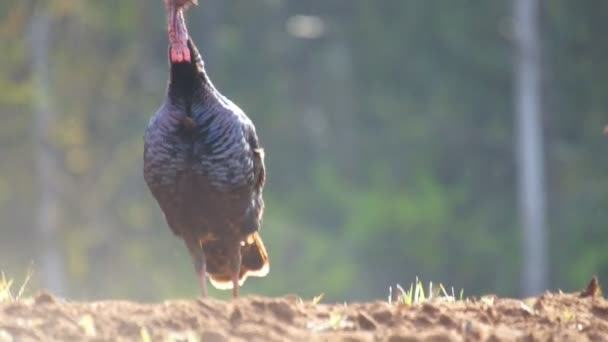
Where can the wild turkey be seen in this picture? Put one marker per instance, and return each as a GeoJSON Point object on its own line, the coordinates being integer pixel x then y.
{"type": "Point", "coordinates": [204, 165]}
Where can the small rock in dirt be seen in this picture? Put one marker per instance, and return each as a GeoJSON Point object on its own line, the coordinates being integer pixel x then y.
{"type": "Point", "coordinates": [282, 310]}
{"type": "Point", "coordinates": [44, 297]}
{"type": "Point", "coordinates": [366, 322]}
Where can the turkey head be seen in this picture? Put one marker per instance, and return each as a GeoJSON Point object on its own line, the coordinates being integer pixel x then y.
{"type": "Point", "coordinates": [178, 33]}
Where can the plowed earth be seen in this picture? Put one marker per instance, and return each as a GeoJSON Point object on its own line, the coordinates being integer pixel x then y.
{"type": "Point", "coordinates": [555, 317]}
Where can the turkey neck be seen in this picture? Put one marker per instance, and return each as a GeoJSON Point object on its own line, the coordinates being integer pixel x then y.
{"type": "Point", "coordinates": [186, 77]}
{"type": "Point", "coordinates": [189, 83]}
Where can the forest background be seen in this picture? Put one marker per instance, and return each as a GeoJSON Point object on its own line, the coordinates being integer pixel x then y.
{"type": "Point", "coordinates": [389, 128]}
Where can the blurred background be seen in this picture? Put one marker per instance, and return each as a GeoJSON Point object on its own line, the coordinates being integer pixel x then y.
{"type": "Point", "coordinates": [457, 141]}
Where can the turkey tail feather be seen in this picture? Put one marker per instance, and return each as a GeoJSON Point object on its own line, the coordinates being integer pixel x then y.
{"type": "Point", "coordinates": [254, 262]}
{"type": "Point", "coordinates": [255, 258]}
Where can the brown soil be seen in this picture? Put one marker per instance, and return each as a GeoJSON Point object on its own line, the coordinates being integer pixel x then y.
{"type": "Point", "coordinates": [556, 317]}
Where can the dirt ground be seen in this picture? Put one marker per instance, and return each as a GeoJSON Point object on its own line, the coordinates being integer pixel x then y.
{"type": "Point", "coordinates": [550, 317]}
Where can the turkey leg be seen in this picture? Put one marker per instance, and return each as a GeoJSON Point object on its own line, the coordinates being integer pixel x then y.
{"type": "Point", "coordinates": [200, 264]}
{"type": "Point", "coordinates": [236, 270]}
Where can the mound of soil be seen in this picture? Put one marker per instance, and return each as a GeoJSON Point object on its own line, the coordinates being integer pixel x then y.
{"type": "Point", "coordinates": [557, 317]}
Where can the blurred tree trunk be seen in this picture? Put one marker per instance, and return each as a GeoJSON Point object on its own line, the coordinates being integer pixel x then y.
{"type": "Point", "coordinates": [51, 261]}
{"type": "Point", "coordinates": [530, 146]}
{"type": "Point", "coordinates": [339, 96]}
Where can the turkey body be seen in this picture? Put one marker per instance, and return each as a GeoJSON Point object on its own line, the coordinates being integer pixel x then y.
{"type": "Point", "coordinates": [205, 167]}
